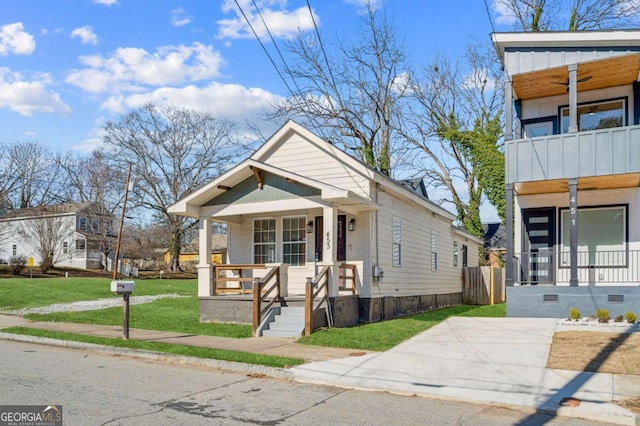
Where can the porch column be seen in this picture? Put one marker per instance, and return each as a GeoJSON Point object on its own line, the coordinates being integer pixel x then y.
{"type": "Point", "coordinates": [205, 274]}
{"type": "Point", "coordinates": [330, 246]}
{"type": "Point", "coordinates": [508, 108]}
{"type": "Point", "coordinates": [573, 231]}
{"type": "Point", "coordinates": [573, 98]}
{"type": "Point", "coordinates": [509, 231]}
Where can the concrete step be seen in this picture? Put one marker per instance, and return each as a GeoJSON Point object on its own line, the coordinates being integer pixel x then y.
{"type": "Point", "coordinates": [279, 333]}
{"type": "Point", "coordinates": [289, 323]}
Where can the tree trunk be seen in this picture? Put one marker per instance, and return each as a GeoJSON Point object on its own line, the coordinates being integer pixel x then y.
{"type": "Point", "coordinates": [174, 249]}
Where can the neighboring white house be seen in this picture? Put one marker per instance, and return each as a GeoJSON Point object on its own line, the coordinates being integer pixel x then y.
{"type": "Point", "coordinates": [301, 203]}
{"type": "Point", "coordinates": [572, 147]}
{"type": "Point", "coordinates": [76, 234]}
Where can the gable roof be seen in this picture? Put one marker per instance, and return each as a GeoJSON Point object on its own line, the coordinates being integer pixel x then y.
{"type": "Point", "coordinates": [64, 209]}
{"type": "Point", "coordinates": [190, 204]}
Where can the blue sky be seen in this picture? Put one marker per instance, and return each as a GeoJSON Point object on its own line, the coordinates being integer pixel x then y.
{"type": "Point", "coordinates": [66, 66]}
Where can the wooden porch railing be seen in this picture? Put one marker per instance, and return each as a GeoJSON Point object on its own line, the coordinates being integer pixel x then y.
{"type": "Point", "coordinates": [221, 280]}
{"type": "Point", "coordinates": [316, 294]}
{"type": "Point", "coordinates": [266, 292]}
{"type": "Point", "coordinates": [347, 273]}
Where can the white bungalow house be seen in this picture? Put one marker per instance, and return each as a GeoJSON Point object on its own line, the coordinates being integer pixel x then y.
{"type": "Point", "coordinates": [76, 234]}
{"type": "Point", "coordinates": [572, 146]}
{"type": "Point", "coordinates": [303, 206]}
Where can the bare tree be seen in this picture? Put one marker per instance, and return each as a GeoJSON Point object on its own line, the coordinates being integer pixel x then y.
{"type": "Point", "coordinates": [46, 231]}
{"type": "Point", "coordinates": [355, 95]}
{"type": "Point", "coordinates": [455, 128]}
{"type": "Point", "coordinates": [571, 15]}
{"type": "Point", "coordinates": [173, 151]}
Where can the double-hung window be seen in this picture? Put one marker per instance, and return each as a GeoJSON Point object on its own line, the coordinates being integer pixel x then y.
{"type": "Point", "coordinates": [294, 240]}
{"type": "Point", "coordinates": [396, 252]}
{"type": "Point", "coordinates": [434, 251]}
{"type": "Point", "coordinates": [264, 241]}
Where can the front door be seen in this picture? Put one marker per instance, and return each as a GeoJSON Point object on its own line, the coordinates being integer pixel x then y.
{"type": "Point", "coordinates": [538, 241]}
{"type": "Point", "coordinates": [341, 242]}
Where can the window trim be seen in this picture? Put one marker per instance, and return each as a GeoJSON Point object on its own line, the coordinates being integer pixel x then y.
{"type": "Point", "coordinates": [548, 119]}
{"type": "Point", "coordinates": [305, 241]}
{"type": "Point", "coordinates": [253, 243]}
{"type": "Point", "coordinates": [434, 251]}
{"type": "Point", "coordinates": [625, 111]}
{"type": "Point", "coordinates": [563, 249]}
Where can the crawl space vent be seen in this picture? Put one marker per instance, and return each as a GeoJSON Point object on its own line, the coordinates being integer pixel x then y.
{"type": "Point", "coordinates": [616, 298]}
{"type": "Point", "coordinates": [549, 297]}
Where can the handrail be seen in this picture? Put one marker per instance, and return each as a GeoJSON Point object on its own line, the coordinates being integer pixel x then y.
{"type": "Point", "coordinates": [352, 277]}
{"type": "Point", "coordinates": [219, 283]}
{"type": "Point", "coordinates": [320, 283]}
{"type": "Point", "coordinates": [263, 289]}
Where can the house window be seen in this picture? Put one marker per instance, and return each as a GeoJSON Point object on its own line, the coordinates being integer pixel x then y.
{"type": "Point", "coordinates": [264, 241]}
{"type": "Point", "coordinates": [602, 115]}
{"type": "Point", "coordinates": [464, 256]}
{"type": "Point", "coordinates": [81, 244]}
{"type": "Point", "coordinates": [82, 223]}
{"type": "Point", "coordinates": [602, 236]}
{"type": "Point", "coordinates": [14, 250]}
{"type": "Point", "coordinates": [396, 251]}
{"type": "Point", "coordinates": [455, 254]}
{"type": "Point", "coordinates": [95, 227]}
{"type": "Point", "coordinates": [434, 251]}
{"type": "Point", "coordinates": [65, 247]}
{"type": "Point", "coordinates": [294, 240]}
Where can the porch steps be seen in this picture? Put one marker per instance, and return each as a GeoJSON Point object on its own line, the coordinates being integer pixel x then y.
{"type": "Point", "coordinates": [288, 323]}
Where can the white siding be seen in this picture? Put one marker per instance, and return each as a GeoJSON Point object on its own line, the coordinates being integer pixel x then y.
{"type": "Point", "coordinates": [297, 155]}
{"type": "Point", "coordinates": [527, 61]}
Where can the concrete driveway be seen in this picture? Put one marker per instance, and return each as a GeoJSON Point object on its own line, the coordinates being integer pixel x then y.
{"type": "Point", "coordinates": [498, 361]}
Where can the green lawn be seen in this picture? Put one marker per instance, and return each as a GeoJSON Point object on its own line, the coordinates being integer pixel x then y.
{"type": "Point", "coordinates": [244, 357]}
{"type": "Point", "coordinates": [180, 315]}
{"type": "Point", "coordinates": [383, 335]}
{"type": "Point", "coordinates": [16, 293]}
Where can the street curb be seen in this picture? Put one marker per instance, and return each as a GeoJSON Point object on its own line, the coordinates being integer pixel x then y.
{"type": "Point", "coordinates": [236, 367]}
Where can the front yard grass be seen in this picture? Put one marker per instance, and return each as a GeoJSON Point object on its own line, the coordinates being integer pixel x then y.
{"type": "Point", "coordinates": [17, 293]}
{"type": "Point", "coordinates": [193, 351]}
{"type": "Point", "coordinates": [180, 315]}
{"type": "Point", "coordinates": [383, 335]}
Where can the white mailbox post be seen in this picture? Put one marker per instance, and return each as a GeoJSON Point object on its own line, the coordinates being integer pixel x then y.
{"type": "Point", "coordinates": [125, 288]}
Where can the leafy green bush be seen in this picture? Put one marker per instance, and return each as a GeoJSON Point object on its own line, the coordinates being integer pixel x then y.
{"type": "Point", "coordinates": [618, 318]}
{"type": "Point", "coordinates": [574, 314]}
{"type": "Point", "coordinates": [631, 317]}
{"type": "Point", "coordinates": [603, 315]}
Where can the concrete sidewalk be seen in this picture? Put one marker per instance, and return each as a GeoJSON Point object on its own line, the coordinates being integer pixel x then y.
{"type": "Point", "coordinates": [495, 361]}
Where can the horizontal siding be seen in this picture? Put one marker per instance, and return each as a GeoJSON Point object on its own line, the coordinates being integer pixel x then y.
{"type": "Point", "coordinates": [300, 156]}
{"type": "Point", "coordinates": [530, 60]}
{"type": "Point", "coordinates": [415, 275]}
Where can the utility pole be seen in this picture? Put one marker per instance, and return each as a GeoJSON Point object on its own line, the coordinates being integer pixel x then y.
{"type": "Point", "coordinates": [125, 295]}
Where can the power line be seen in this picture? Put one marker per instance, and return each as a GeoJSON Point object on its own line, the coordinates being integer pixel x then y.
{"type": "Point", "coordinates": [486, 6]}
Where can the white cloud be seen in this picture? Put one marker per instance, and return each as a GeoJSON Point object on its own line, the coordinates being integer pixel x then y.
{"type": "Point", "coordinates": [362, 4]}
{"type": "Point", "coordinates": [479, 79]}
{"type": "Point", "coordinates": [29, 97]}
{"type": "Point", "coordinates": [282, 23]}
{"type": "Point", "coordinates": [85, 34]}
{"type": "Point", "coordinates": [504, 14]}
{"type": "Point", "coordinates": [179, 17]}
{"type": "Point", "coordinates": [131, 69]}
{"type": "Point", "coordinates": [106, 2]}
{"type": "Point", "coordinates": [92, 141]}
{"type": "Point", "coordinates": [14, 39]}
{"type": "Point", "coordinates": [228, 100]}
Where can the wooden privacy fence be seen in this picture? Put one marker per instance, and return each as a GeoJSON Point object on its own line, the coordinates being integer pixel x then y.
{"type": "Point", "coordinates": [483, 285]}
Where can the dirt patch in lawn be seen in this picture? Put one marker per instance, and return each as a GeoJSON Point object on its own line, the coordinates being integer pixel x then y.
{"type": "Point", "coordinates": [601, 352]}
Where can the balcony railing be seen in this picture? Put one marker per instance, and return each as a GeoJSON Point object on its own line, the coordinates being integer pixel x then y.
{"type": "Point", "coordinates": [571, 155]}
{"type": "Point", "coordinates": [617, 267]}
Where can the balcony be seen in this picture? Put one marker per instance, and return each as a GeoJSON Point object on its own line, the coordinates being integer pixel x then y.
{"type": "Point", "coordinates": [593, 155]}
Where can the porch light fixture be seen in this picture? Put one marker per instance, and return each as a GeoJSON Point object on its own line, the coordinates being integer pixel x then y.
{"type": "Point", "coordinates": [352, 224]}
{"type": "Point", "coordinates": [310, 227]}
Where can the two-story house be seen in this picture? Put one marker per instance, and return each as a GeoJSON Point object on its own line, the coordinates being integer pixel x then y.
{"type": "Point", "coordinates": [572, 148]}
{"type": "Point", "coordinates": [74, 235]}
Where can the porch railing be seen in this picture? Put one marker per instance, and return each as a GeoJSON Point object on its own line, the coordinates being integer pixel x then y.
{"type": "Point", "coordinates": [347, 274]}
{"type": "Point", "coordinates": [266, 292]}
{"type": "Point", "coordinates": [595, 267]}
{"type": "Point", "coordinates": [317, 295]}
{"type": "Point", "coordinates": [235, 274]}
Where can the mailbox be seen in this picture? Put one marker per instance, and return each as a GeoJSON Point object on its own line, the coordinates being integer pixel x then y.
{"type": "Point", "coordinates": [122, 287]}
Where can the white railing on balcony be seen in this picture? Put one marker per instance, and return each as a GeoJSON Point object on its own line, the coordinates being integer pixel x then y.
{"type": "Point", "coordinates": [570, 155]}
{"type": "Point", "coordinates": [594, 267]}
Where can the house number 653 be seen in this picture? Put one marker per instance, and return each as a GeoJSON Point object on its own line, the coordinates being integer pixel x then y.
{"type": "Point", "coordinates": [328, 240]}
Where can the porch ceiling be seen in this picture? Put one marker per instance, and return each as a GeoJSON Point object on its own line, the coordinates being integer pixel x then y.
{"type": "Point", "coordinates": [603, 73]}
{"type": "Point", "coordinates": [629, 180]}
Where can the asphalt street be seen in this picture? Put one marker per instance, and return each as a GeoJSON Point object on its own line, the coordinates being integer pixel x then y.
{"type": "Point", "coordinates": [99, 389]}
